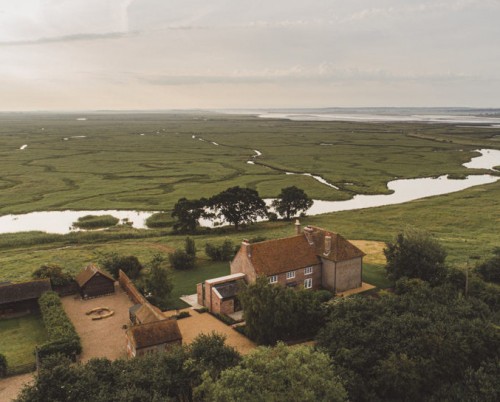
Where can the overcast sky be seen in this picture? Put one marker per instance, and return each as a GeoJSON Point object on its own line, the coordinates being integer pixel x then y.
{"type": "Point", "coordinates": [162, 54]}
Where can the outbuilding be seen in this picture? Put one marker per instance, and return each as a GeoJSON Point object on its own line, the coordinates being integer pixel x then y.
{"type": "Point", "coordinates": [93, 282]}
{"type": "Point", "coordinates": [153, 337]}
{"type": "Point", "coordinates": [21, 298]}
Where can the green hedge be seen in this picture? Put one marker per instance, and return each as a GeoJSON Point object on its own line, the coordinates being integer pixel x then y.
{"type": "Point", "coordinates": [62, 335]}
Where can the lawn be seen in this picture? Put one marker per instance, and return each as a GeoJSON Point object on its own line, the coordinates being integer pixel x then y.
{"type": "Point", "coordinates": [19, 336]}
{"type": "Point", "coordinates": [375, 275]}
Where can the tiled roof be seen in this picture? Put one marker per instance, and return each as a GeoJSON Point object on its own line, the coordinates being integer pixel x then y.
{"type": "Point", "coordinates": [146, 313]}
{"type": "Point", "coordinates": [155, 333]}
{"type": "Point", "coordinates": [88, 272]}
{"type": "Point", "coordinates": [282, 255]}
{"type": "Point", "coordinates": [229, 289]}
{"type": "Point", "coordinates": [16, 292]}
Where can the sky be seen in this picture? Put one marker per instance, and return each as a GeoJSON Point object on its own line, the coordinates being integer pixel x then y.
{"type": "Point", "coordinates": [184, 54]}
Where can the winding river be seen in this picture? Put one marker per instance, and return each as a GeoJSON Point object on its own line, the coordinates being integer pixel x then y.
{"type": "Point", "coordinates": [404, 190]}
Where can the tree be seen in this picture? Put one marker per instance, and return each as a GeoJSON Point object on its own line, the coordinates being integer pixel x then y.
{"type": "Point", "coordinates": [274, 313]}
{"type": "Point", "coordinates": [281, 373]}
{"type": "Point", "coordinates": [188, 212]}
{"type": "Point", "coordinates": [54, 273]}
{"type": "Point", "coordinates": [291, 201]}
{"type": "Point", "coordinates": [158, 282]}
{"type": "Point", "coordinates": [129, 264]}
{"type": "Point", "coordinates": [238, 205]}
{"type": "Point", "coordinates": [490, 270]}
{"type": "Point", "coordinates": [210, 353]}
{"type": "Point", "coordinates": [415, 254]}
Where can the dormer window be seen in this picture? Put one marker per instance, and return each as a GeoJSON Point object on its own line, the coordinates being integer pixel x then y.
{"type": "Point", "coordinates": [290, 275]}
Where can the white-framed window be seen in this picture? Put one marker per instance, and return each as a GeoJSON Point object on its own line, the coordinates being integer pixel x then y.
{"type": "Point", "coordinates": [290, 275]}
{"type": "Point", "coordinates": [308, 283]}
{"type": "Point", "coordinates": [308, 270]}
{"type": "Point", "coordinates": [273, 279]}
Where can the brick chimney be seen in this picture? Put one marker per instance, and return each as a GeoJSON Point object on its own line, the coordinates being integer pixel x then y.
{"type": "Point", "coordinates": [297, 226]}
{"type": "Point", "coordinates": [247, 248]}
{"type": "Point", "coordinates": [328, 244]}
{"type": "Point", "coordinates": [308, 233]}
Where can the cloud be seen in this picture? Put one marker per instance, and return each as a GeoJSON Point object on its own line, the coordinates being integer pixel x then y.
{"type": "Point", "coordinates": [71, 38]}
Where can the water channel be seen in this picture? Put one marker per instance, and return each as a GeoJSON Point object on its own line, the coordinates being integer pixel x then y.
{"type": "Point", "coordinates": [404, 190]}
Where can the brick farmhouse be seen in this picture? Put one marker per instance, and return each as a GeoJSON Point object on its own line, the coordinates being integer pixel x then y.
{"type": "Point", "coordinates": [313, 259]}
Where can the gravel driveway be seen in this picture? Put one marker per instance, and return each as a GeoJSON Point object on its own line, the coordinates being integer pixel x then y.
{"type": "Point", "coordinates": [100, 338]}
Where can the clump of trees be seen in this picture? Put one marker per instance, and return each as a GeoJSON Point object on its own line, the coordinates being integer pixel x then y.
{"type": "Point", "coordinates": [129, 264]}
{"type": "Point", "coordinates": [274, 313]}
{"type": "Point", "coordinates": [237, 205]}
{"type": "Point", "coordinates": [169, 376]}
{"type": "Point", "coordinates": [422, 343]}
{"type": "Point", "coordinates": [292, 201]}
{"type": "Point", "coordinates": [183, 259]}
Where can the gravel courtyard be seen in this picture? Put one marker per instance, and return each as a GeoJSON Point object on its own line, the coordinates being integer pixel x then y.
{"type": "Point", "coordinates": [100, 338]}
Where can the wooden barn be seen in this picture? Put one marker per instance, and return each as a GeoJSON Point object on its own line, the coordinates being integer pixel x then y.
{"type": "Point", "coordinates": [21, 298]}
{"type": "Point", "coordinates": [93, 282]}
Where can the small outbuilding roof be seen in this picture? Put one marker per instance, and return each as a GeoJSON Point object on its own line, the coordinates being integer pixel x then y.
{"type": "Point", "coordinates": [228, 289]}
{"type": "Point", "coordinates": [16, 292]}
{"type": "Point", "coordinates": [147, 313]}
{"type": "Point", "coordinates": [155, 333]}
{"type": "Point", "coordinates": [89, 272]}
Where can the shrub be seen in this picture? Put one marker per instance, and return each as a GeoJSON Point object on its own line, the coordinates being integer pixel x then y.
{"type": "Point", "coordinates": [190, 246]}
{"type": "Point", "coordinates": [221, 252]}
{"type": "Point", "coordinates": [95, 222]}
{"type": "Point", "coordinates": [490, 270]}
{"type": "Point", "coordinates": [181, 260]}
{"type": "Point", "coordinates": [54, 273]}
{"type": "Point", "coordinates": [181, 315]}
{"type": "Point", "coordinates": [62, 335]}
{"type": "Point", "coordinates": [3, 366]}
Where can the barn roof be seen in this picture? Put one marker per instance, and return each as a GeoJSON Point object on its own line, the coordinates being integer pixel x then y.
{"type": "Point", "coordinates": [155, 333]}
{"type": "Point", "coordinates": [16, 292]}
{"type": "Point", "coordinates": [147, 313]}
{"type": "Point", "coordinates": [88, 273]}
{"type": "Point", "coordinates": [306, 249]}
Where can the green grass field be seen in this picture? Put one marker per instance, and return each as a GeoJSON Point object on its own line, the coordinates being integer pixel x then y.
{"type": "Point", "coordinates": [18, 338]}
{"type": "Point", "coordinates": [114, 167]}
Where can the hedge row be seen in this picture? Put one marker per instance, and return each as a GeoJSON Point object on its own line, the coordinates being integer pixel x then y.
{"type": "Point", "coordinates": [62, 335]}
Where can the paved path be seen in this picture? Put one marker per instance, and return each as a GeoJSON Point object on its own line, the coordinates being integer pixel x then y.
{"type": "Point", "coordinates": [10, 387]}
{"type": "Point", "coordinates": [205, 323]}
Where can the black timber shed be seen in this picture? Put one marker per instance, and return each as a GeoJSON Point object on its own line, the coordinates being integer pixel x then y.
{"type": "Point", "coordinates": [93, 282]}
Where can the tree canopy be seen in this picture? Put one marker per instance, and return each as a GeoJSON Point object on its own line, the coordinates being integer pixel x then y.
{"type": "Point", "coordinates": [415, 254]}
{"type": "Point", "coordinates": [415, 345]}
{"type": "Point", "coordinates": [291, 201]}
{"type": "Point", "coordinates": [238, 205]}
{"type": "Point", "coordinates": [158, 282]}
{"type": "Point", "coordinates": [490, 269]}
{"type": "Point", "coordinates": [277, 374]}
{"type": "Point", "coordinates": [188, 213]}
{"type": "Point", "coordinates": [129, 264]}
{"type": "Point", "coordinates": [274, 313]}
